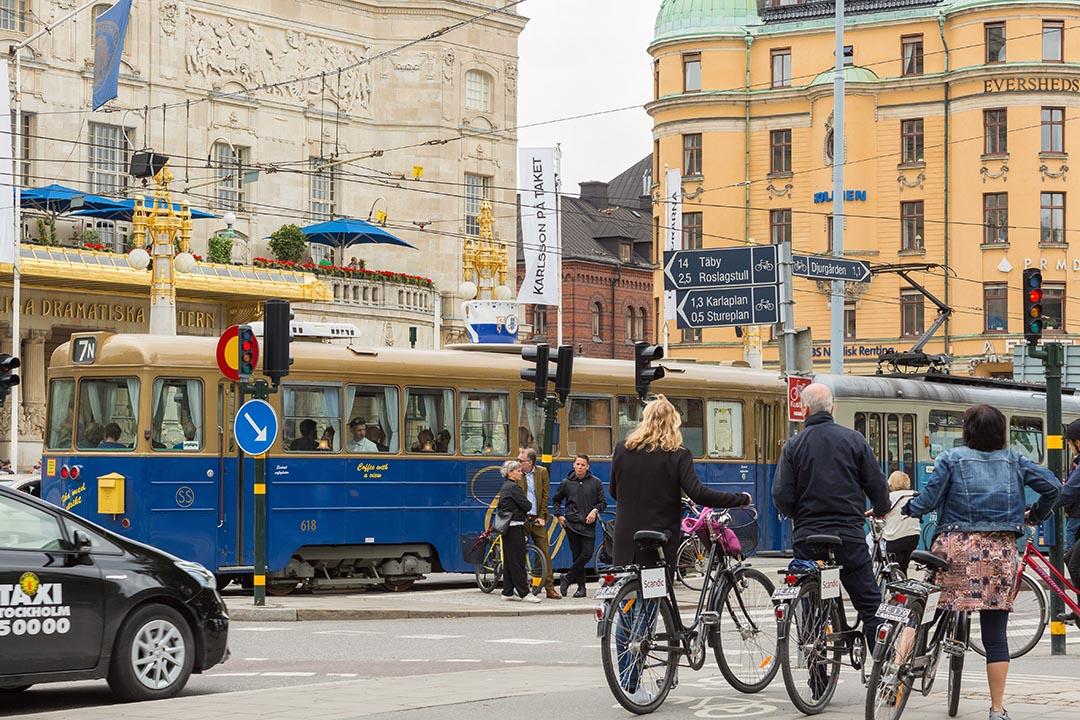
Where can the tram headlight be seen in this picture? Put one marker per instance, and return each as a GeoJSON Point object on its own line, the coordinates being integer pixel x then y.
{"type": "Point", "coordinates": [201, 575]}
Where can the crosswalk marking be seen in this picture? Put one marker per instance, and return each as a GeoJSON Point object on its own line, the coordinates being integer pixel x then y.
{"type": "Point", "coordinates": [524, 641]}
{"type": "Point", "coordinates": [288, 674]}
{"type": "Point", "coordinates": [462, 660]}
{"type": "Point", "coordinates": [430, 637]}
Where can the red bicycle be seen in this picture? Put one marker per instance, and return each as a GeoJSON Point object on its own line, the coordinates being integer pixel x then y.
{"type": "Point", "coordinates": [1030, 613]}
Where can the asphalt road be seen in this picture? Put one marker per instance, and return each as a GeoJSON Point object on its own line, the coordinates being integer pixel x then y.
{"type": "Point", "coordinates": [276, 655]}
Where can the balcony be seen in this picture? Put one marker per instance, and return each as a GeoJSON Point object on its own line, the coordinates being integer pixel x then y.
{"type": "Point", "coordinates": [365, 293]}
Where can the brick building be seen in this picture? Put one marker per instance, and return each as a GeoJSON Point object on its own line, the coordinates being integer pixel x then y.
{"type": "Point", "coordinates": [607, 276]}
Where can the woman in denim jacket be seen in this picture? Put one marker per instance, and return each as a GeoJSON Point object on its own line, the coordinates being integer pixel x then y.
{"type": "Point", "coordinates": [978, 492]}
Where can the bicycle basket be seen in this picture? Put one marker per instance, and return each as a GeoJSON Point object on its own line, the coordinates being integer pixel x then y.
{"type": "Point", "coordinates": [745, 526]}
{"type": "Point", "coordinates": [472, 548]}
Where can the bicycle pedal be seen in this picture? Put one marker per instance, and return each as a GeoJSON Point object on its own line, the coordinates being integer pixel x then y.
{"type": "Point", "coordinates": [710, 617]}
{"type": "Point", "coordinates": [953, 648]}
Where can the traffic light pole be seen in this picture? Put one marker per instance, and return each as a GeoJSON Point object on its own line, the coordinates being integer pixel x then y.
{"type": "Point", "coordinates": [1053, 357]}
{"type": "Point", "coordinates": [551, 409]}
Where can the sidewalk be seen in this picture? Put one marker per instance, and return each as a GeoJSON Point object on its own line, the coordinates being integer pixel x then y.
{"type": "Point", "coordinates": [440, 596]}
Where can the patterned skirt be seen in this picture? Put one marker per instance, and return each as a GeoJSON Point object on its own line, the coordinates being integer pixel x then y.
{"type": "Point", "coordinates": [982, 570]}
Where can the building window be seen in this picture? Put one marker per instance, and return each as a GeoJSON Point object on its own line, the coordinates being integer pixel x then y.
{"type": "Point", "coordinates": [911, 140]}
{"type": "Point", "coordinates": [22, 167]}
{"type": "Point", "coordinates": [631, 316]}
{"type": "Point", "coordinates": [477, 189]}
{"type": "Point", "coordinates": [1053, 303]}
{"type": "Point", "coordinates": [639, 325]}
{"type": "Point", "coordinates": [781, 68]}
{"type": "Point", "coordinates": [995, 42]}
{"type": "Point", "coordinates": [323, 201]}
{"type": "Point", "coordinates": [230, 187]}
{"type": "Point", "coordinates": [996, 218]}
{"type": "Point", "coordinates": [691, 335]}
{"type": "Point", "coordinates": [656, 79]}
{"type": "Point", "coordinates": [539, 320]}
{"type": "Point", "coordinates": [626, 252]}
{"type": "Point", "coordinates": [1053, 129]}
{"type": "Point", "coordinates": [1053, 40]}
{"type": "Point", "coordinates": [691, 66]}
{"type": "Point", "coordinates": [691, 148]}
{"type": "Point", "coordinates": [996, 131]}
{"type": "Point", "coordinates": [911, 50]}
{"type": "Point", "coordinates": [692, 232]}
{"type": "Point", "coordinates": [911, 313]}
{"type": "Point", "coordinates": [109, 157]}
{"type": "Point", "coordinates": [13, 15]}
{"type": "Point", "coordinates": [911, 221]}
{"type": "Point", "coordinates": [780, 146]}
{"type": "Point", "coordinates": [597, 314]}
{"type": "Point", "coordinates": [478, 87]}
{"type": "Point", "coordinates": [996, 307]}
{"type": "Point", "coordinates": [849, 321]}
{"type": "Point", "coordinates": [1052, 218]}
{"type": "Point", "coordinates": [779, 226]}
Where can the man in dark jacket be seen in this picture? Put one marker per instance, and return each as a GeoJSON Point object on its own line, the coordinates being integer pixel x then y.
{"type": "Point", "coordinates": [584, 497]}
{"type": "Point", "coordinates": [826, 474]}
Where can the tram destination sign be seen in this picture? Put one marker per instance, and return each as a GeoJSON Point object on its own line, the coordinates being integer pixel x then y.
{"type": "Point", "coordinates": [725, 307]}
{"type": "Point", "coordinates": [723, 267]}
{"type": "Point", "coordinates": [817, 267]}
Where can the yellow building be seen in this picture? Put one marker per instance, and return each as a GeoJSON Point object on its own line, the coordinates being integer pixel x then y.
{"type": "Point", "coordinates": [958, 130]}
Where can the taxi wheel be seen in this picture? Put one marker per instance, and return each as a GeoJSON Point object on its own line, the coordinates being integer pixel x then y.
{"type": "Point", "coordinates": [153, 655]}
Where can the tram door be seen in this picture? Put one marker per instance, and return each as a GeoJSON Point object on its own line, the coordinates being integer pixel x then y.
{"type": "Point", "coordinates": [235, 508]}
{"type": "Point", "coordinates": [775, 532]}
{"type": "Point", "coordinates": [892, 438]}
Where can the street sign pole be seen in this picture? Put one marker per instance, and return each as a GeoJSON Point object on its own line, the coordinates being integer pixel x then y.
{"type": "Point", "coordinates": [787, 310]}
{"type": "Point", "coordinates": [551, 409]}
{"type": "Point", "coordinates": [260, 390]}
{"type": "Point", "coordinates": [837, 324]}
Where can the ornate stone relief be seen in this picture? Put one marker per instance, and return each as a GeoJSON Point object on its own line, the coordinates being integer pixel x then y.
{"type": "Point", "coordinates": [223, 50]}
{"type": "Point", "coordinates": [169, 15]}
{"type": "Point", "coordinates": [918, 182]}
{"type": "Point", "coordinates": [511, 78]}
{"type": "Point", "coordinates": [1003, 173]}
{"type": "Point", "coordinates": [388, 335]}
{"type": "Point", "coordinates": [1048, 175]}
{"type": "Point", "coordinates": [853, 291]}
{"type": "Point", "coordinates": [779, 192]}
{"type": "Point", "coordinates": [448, 65]}
{"type": "Point", "coordinates": [31, 423]}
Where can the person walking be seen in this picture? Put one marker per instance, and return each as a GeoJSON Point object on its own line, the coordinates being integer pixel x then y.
{"type": "Point", "coordinates": [826, 474]}
{"type": "Point", "coordinates": [901, 533]}
{"type": "Point", "coordinates": [583, 494]}
{"type": "Point", "coordinates": [1070, 503]}
{"type": "Point", "coordinates": [512, 499]}
{"type": "Point", "coordinates": [538, 489]}
{"type": "Point", "coordinates": [978, 493]}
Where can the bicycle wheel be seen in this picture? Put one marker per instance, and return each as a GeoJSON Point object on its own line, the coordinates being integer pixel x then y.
{"type": "Point", "coordinates": [691, 563]}
{"type": "Point", "coordinates": [889, 687]}
{"type": "Point", "coordinates": [489, 569]}
{"type": "Point", "coordinates": [535, 569]}
{"type": "Point", "coordinates": [959, 635]}
{"type": "Point", "coordinates": [811, 664]}
{"type": "Point", "coordinates": [745, 640]}
{"type": "Point", "coordinates": [1027, 621]}
{"type": "Point", "coordinates": [638, 649]}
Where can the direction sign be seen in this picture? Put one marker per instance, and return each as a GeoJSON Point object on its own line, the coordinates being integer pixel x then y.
{"type": "Point", "coordinates": [796, 408]}
{"type": "Point", "coordinates": [818, 267]}
{"type": "Point", "coordinates": [228, 353]}
{"type": "Point", "coordinates": [255, 427]}
{"type": "Point", "coordinates": [720, 307]}
{"type": "Point", "coordinates": [724, 267]}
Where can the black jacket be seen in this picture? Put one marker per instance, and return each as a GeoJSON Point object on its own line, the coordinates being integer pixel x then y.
{"type": "Point", "coordinates": [513, 499]}
{"type": "Point", "coordinates": [649, 488]}
{"type": "Point", "coordinates": [581, 497]}
{"type": "Point", "coordinates": [826, 474]}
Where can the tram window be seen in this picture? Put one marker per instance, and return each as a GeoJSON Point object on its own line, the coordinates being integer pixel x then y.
{"type": "Point", "coordinates": [485, 423]}
{"type": "Point", "coordinates": [177, 414]}
{"type": "Point", "coordinates": [108, 410]}
{"type": "Point", "coordinates": [373, 419]}
{"type": "Point", "coordinates": [946, 430]}
{"type": "Point", "coordinates": [892, 443]}
{"type": "Point", "coordinates": [429, 420]}
{"type": "Point", "coordinates": [860, 423]}
{"type": "Point", "coordinates": [61, 414]}
{"type": "Point", "coordinates": [691, 411]}
{"type": "Point", "coordinates": [590, 427]}
{"type": "Point", "coordinates": [312, 418]}
{"type": "Point", "coordinates": [1026, 437]}
{"type": "Point", "coordinates": [907, 444]}
{"type": "Point", "coordinates": [873, 435]}
{"type": "Point", "coordinates": [725, 428]}
{"type": "Point", "coordinates": [531, 424]}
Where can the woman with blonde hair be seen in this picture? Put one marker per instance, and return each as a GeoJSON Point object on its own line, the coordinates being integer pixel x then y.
{"type": "Point", "coordinates": [650, 472]}
{"type": "Point", "coordinates": [901, 533]}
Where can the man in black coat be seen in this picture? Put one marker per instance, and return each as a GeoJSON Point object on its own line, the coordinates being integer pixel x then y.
{"type": "Point", "coordinates": [826, 474]}
{"type": "Point", "coordinates": [584, 497]}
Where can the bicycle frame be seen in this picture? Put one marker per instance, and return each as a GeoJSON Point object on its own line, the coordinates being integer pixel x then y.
{"type": "Point", "coordinates": [1038, 564]}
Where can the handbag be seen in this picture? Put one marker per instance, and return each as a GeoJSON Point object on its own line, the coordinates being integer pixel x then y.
{"type": "Point", "coordinates": [500, 521]}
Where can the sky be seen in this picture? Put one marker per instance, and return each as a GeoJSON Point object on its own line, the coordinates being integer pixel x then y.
{"type": "Point", "coordinates": [582, 56]}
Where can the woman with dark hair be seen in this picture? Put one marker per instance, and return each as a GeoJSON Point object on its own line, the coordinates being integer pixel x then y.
{"type": "Point", "coordinates": [512, 499]}
{"type": "Point", "coordinates": [978, 493]}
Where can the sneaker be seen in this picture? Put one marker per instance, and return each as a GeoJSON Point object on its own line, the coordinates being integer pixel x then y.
{"type": "Point", "coordinates": [641, 696]}
{"type": "Point", "coordinates": [510, 598]}
{"type": "Point", "coordinates": [564, 584]}
{"type": "Point", "coordinates": [530, 598]}
{"type": "Point", "coordinates": [996, 715]}
{"type": "Point", "coordinates": [580, 592]}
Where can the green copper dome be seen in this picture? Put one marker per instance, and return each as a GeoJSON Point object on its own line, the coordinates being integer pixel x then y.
{"type": "Point", "coordinates": [680, 19]}
{"type": "Point", "coordinates": [852, 74]}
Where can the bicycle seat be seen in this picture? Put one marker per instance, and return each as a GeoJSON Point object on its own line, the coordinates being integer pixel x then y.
{"type": "Point", "coordinates": [929, 560]}
{"type": "Point", "coordinates": [824, 540]}
{"type": "Point", "coordinates": [651, 537]}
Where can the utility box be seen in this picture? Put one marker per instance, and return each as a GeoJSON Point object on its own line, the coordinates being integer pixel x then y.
{"type": "Point", "coordinates": [110, 494]}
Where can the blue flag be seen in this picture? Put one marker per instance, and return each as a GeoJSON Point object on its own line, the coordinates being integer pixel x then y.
{"type": "Point", "coordinates": [109, 30]}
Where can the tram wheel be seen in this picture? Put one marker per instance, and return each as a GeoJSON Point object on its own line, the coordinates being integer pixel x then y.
{"type": "Point", "coordinates": [398, 585]}
{"type": "Point", "coordinates": [280, 589]}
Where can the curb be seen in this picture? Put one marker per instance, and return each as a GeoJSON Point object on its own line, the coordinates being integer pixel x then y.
{"type": "Point", "coordinates": [281, 614]}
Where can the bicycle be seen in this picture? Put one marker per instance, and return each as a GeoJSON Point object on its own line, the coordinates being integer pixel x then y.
{"type": "Point", "coordinates": [886, 570]}
{"type": "Point", "coordinates": [691, 557]}
{"type": "Point", "coordinates": [604, 555]}
{"type": "Point", "coordinates": [910, 642]}
{"type": "Point", "coordinates": [642, 633]}
{"type": "Point", "coordinates": [488, 551]}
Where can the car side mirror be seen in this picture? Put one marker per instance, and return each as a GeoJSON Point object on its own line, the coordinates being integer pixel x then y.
{"type": "Point", "coordinates": [82, 543]}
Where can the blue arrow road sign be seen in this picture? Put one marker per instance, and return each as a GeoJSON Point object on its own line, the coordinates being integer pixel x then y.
{"type": "Point", "coordinates": [721, 307]}
{"type": "Point", "coordinates": [255, 427]}
{"type": "Point", "coordinates": [826, 268]}
{"type": "Point", "coordinates": [724, 267]}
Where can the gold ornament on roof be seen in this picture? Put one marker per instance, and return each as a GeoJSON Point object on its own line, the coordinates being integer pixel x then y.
{"type": "Point", "coordinates": [484, 262]}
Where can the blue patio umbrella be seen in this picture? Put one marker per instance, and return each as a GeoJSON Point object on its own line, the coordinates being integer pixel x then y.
{"type": "Point", "coordinates": [125, 209]}
{"type": "Point", "coordinates": [346, 232]}
{"type": "Point", "coordinates": [61, 199]}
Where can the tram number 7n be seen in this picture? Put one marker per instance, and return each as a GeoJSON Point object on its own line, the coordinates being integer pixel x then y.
{"type": "Point", "coordinates": [308, 526]}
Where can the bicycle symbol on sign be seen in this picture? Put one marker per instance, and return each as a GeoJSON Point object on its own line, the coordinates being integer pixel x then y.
{"type": "Point", "coordinates": [765, 304]}
{"type": "Point", "coordinates": [764, 266]}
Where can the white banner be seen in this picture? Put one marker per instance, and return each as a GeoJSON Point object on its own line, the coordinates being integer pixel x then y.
{"type": "Point", "coordinates": [672, 228]}
{"type": "Point", "coordinates": [540, 240]}
{"type": "Point", "coordinates": [7, 185]}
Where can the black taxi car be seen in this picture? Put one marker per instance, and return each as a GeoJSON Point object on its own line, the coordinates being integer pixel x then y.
{"type": "Point", "coordinates": [78, 602]}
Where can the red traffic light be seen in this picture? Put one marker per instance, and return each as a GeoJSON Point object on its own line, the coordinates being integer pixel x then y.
{"type": "Point", "coordinates": [1035, 295]}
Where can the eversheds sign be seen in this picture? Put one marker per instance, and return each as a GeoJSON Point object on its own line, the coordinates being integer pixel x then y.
{"type": "Point", "coordinates": [1032, 84]}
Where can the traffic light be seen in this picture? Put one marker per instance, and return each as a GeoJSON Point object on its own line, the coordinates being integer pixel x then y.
{"type": "Point", "coordinates": [1033, 309]}
{"type": "Point", "coordinates": [8, 377]}
{"type": "Point", "coordinates": [277, 337]}
{"type": "Point", "coordinates": [246, 346]}
{"type": "Point", "coordinates": [644, 373]}
{"type": "Point", "coordinates": [564, 372]}
{"type": "Point", "coordinates": [538, 374]}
